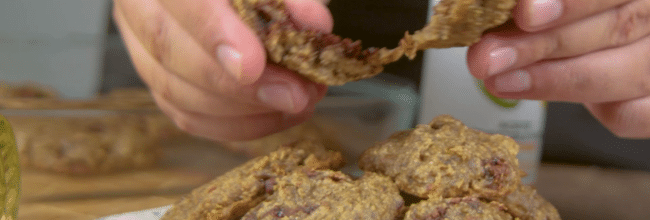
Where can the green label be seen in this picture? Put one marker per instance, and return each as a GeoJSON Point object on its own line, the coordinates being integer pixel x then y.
{"type": "Point", "coordinates": [505, 103]}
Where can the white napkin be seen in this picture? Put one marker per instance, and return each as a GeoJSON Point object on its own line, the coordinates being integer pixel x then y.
{"type": "Point", "coordinates": [149, 214]}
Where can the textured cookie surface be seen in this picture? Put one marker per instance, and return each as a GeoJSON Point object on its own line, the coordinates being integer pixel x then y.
{"type": "Point", "coordinates": [232, 194]}
{"type": "Point", "coordinates": [447, 159]}
{"type": "Point", "coordinates": [526, 204]}
{"type": "Point", "coordinates": [311, 194]}
{"type": "Point", "coordinates": [457, 208]}
{"type": "Point", "coordinates": [79, 145]}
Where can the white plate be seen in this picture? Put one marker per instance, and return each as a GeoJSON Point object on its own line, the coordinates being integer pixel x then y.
{"type": "Point", "coordinates": [149, 214]}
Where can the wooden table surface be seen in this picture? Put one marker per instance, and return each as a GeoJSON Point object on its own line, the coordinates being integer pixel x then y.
{"type": "Point", "coordinates": [578, 192]}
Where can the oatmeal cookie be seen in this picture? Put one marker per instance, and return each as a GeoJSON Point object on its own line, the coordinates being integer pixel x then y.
{"type": "Point", "coordinates": [26, 90]}
{"type": "Point", "coordinates": [458, 23]}
{"type": "Point", "coordinates": [329, 59]}
{"type": "Point", "coordinates": [526, 204]}
{"type": "Point", "coordinates": [447, 159]}
{"type": "Point", "coordinates": [443, 170]}
{"type": "Point", "coordinates": [232, 194]}
{"type": "Point", "coordinates": [87, 145]}
{"type": "Point", "coordinates": [457, 208]}
{"type": "Point", "coordinates": [312, 194]}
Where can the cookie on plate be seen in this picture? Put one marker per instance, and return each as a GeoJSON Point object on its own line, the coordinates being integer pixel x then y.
{"type": "Point", "coordinates": [447, 159]}
{"type": "Point", "coordinates": [233, 194]}
{"type": "Point", "coordinates": [457, 208]}
{"type": "Point", "coordinates": [326, 194]}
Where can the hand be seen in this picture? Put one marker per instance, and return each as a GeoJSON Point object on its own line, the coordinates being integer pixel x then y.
{"type": "Point", "coordinates": [594, 52]}
{"type": "Point", "coordinates": [207, 70]}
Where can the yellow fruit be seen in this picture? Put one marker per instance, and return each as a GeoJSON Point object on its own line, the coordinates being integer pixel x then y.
{"type": "Point", "coordinates": [9, 172]}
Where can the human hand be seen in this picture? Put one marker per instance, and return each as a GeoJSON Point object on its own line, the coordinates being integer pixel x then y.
{"type": "Point", "coordinates": [593, 52]}
{"type": "Point", "coordinates": [207, 70]}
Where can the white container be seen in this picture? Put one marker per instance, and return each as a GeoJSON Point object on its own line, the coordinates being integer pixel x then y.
{"type": "Point", "coordinates": [57, 43]}
{"type": "Point", "coordinates": [449, 88]}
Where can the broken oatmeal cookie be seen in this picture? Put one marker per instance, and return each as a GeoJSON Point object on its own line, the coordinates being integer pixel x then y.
{"type": "Point", "coordinates": [328, 59]}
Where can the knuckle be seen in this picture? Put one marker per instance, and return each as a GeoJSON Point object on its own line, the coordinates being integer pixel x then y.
{"type": "Point", "coordinates": [558, 43]}
{"type": "Point", "coordinates": [161, 85]}
{"type": "Point", "coordinates": [166, 92]}
{"type": "Point", "coordinates": [225, 87]}
{"type": "Point", "coordinates": [183, 123]}
{"type": "Point", "coordinates": [577, 82]}
{"type": "Point", "coordinates": [625, 133]}
{"type": "Point", "coordinates": [156, 37]}
{"type": "Point", "coordinates": [212, 78]}
{"type": "Point", "coordinates": [626, 123]}
{"type": "Point", "coordinates": [619, 133]}
{"type": "Point", "coordinates": [643, 85]}
{"type": "Point", "coordinates": [631, 21]}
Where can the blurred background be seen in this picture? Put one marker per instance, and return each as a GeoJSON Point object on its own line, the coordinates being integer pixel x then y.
{"type": "Point", "coordinates": [74, 47]}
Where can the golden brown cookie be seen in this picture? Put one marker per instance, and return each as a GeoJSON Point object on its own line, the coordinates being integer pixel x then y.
{"type": "Point", "coordinates": [458, 23]}
{"type": "Point", "coordinates": [457, 208]}
{"type": "Point", "coordinates": [326, 194]}
{"type": "Point", "coordinates": [26, 90]}
{"type": "Point", "coordinates": [443, 170]}
{"type": "Point", "coordinates": [526, 204]}
{"type": "Point", "coordinates": [447, 159]}
{"type": "Point", "coordinates": [232, 194]}
{"type": "Point", "coordinates": [90, 145]}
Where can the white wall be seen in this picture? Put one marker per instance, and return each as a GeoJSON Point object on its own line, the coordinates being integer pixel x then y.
{"type": "Point", "coordinates": [55, 42]}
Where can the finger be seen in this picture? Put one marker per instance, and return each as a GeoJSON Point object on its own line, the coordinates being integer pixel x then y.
{"type": "Point", "coordinates": [278, 88]}
{"type": "Point", "coordinates": [535, 15]}
{"type": "Point", "coordinates": [626, 119]}
{"type": "Point", "coordinates": [325, 2]}
{"type": "Point", "coordinates": [178, 91]}
{"type": "Point", "coordinates": [499, 52]}
{"type": "Point", "coordinates": [235, 128]}
{"type": "Point", "coordinates": [214, 25]}
{"type": "Point", "coordinates": [170, 45]}
{"type": "Point", "coordinates": [615, 74]}
{"type": "Point", "coordinates": [310, 15]}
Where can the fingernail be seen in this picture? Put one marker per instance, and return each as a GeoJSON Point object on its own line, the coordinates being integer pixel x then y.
{"type": "Point", "coordinates": [277, 96]}
{"type": "Point", "coordinates": [517, 81]}
{"type": "Point", "coordinates": [230, 59]}
{"type": "Point", "coordinates": [501, 59]}
{"type": "Point", "coordinates": [545, 11]}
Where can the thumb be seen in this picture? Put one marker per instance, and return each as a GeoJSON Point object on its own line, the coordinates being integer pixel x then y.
{"type": "Point", "coordinates": [311, 14]}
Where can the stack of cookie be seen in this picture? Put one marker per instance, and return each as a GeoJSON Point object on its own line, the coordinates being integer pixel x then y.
{"type": "Point", "coordinates": [443, 170]}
